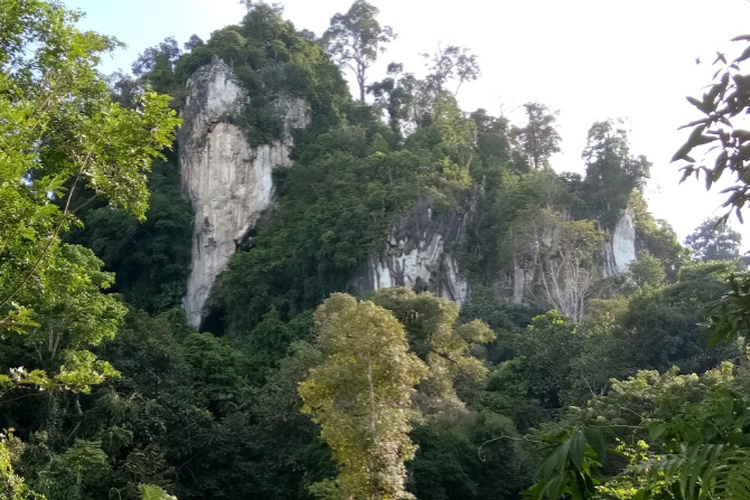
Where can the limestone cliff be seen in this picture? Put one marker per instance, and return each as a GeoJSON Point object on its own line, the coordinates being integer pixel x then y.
{"type": "Point", "coordinates": [227, 181]}
{"type": "Point", "coordinates": [416, 255]}
{"type": "Point", "coordinates": [620, 250]}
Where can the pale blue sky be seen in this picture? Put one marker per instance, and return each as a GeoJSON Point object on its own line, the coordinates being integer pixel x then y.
{"type": "Point", "coordinates": [590, 59]}
{"type": "Point", "coordinates": [141, 24]}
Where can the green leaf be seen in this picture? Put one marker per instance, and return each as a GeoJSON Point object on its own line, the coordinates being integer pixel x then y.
{"type": "Point", "coordinates": [745, 55]}
{"type": "Point", "coordinates": [642, 494]}
{"type": "Point", "coordinates": [595, 438]}
{"type": "Point", "coordinates": [697, 103]}
{"type": "Point", "coordinates": [577, 449]}
{"type": "Point", "coordinates": [658, 430]}
{"type": "Point", "coordinates": [151, 492]}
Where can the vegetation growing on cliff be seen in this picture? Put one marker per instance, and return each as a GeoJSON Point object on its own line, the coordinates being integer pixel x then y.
{"type": "Point", "coordinates": [603, 386]}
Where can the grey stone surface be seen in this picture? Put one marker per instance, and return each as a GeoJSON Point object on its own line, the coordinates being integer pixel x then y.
{"type": "Point", "coordinates": [227, 181]}
{"type": "Point", "coordinates": [417, 256]}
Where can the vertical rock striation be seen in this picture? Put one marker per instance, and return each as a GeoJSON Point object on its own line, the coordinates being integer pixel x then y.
{"type": "Point", "coordinates": [417, 256]}
{"type": "Point", "coordinates": [227, 181]}
{"type": "Point", "coordinates": [620, 250]}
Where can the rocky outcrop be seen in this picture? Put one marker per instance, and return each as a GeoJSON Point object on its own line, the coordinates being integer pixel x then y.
{"type": "Point", "coordinates": [416, 255]}
{"type": "Point", "coordinates": [227, 181]}
{"type": "Point", "coordinates": [522, 279]}
{"type": "Point", "coordinates": [620, 250]}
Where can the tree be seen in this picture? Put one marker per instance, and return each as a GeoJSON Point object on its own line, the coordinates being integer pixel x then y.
{"type": "Point", "coordinates": [355, 38]}
{"type": "Point", "coordinates": [539, 138]}
{"type": "Point", "coordinates": [681, 436]}
{"type": "Point", "coordinates": [547, 355]}
{"type": "Point", "coordinates": [657, 236]}
{"type": "Point", "coordinates": [666, 326]}
{"type": "Point", "coordinates": [407, 99]}
{"type": "Point", "coordinates": [468, 459]}
{"type": "Point", "coordinates": [569, 272]}
{"type": "Point", "coordinates": [254, 4]}
{"type": "Point", "coordinates": [151, 492]}
{"type": "Point", "coordinates": [714, 240]}
{"type": "Point", "coordinates": [458, 134]}
{"type": "Point", "coordinates": [646, 271]}
{"type": "Point", "coordinates": [151, 259]}
{"type": "Point", "coordinates": [71, 315]}
{"type": "Point", "coordinates": [64, 144]}
{"type": "Point", "coordinates": [193, 42]}
{"type": "Point", "coordinates": [162, 56]}
{"type": "Point", "coordinates": [493, 143]}
{"type": "Point", "coordinates": [612, 173]}
{"type": "Point", "coordinates": [155, 69]}
{"type": "Point", "coordinates": [12, 486]}
{"type": "Point", "coordinates": [361, 397]}
{"type": "Point", "coordinates": [451, 62]}
{"type": "Point", "coordinates": [433, 335]}
{"type": "Point", "coordinates": [560, 256]}
{"type": "Point", "coordinates": [390, 95]}
{"type": "Point", "coordinates": [62, 136]}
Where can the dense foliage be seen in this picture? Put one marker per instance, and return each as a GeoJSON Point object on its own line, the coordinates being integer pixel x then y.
{"type": "Point", "coordinates": [551, 381]}
{"type": "Point", "coordinates": [337, 203]}
{"type": "Point", "coordinates": [61, 135]}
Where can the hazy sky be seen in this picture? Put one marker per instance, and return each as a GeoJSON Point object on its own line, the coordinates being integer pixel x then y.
{"type": "Point", "coordinates": [589, 59]}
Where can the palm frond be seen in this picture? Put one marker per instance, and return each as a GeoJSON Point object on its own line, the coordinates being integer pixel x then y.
{"type": "Point", "coordinates": [701, 472]}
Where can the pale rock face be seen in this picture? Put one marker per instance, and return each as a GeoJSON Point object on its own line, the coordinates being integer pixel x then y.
{"type": "Point", "coordinates": [523, 280]}
{"type": "Point", "coordinates": [620, 251]}
{"type": "Point", "coordinates": [228, 182]}
{"type": "Point", "coordinates": [416, 257]}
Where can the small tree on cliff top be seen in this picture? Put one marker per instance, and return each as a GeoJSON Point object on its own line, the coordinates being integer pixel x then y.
{"type": "Point", "coordinates": [355, 38]}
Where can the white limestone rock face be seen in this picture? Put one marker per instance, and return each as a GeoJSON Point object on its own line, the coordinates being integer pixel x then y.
{"type": "Point", "coordinates": [620, 250]}
{"type": "Point", "coordinates": [416, 256]}
{"type": "Point", "coordinates": [228, 182]}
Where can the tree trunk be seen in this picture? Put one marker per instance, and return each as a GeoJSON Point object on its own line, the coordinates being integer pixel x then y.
{"type": "Point", "coordinates": [361, 79]}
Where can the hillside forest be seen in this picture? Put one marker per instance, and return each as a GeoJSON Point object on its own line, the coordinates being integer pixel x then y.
{"type": "Point", "coordinates": [557, 371]}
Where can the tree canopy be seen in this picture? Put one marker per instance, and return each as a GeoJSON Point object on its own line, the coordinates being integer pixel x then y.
{"type": "Point", "coordinates": [539, 138]}
{"type": "Point", "coordinates": [361, 397]}
{"type": "Point", "coordinates": [356, 38]}
{"type": "Point", "coordinates": [64, 145]}
{"type": "Point", "coordinates": [714, 240]}
{"type": "Point", "coordinates": [629, 386]}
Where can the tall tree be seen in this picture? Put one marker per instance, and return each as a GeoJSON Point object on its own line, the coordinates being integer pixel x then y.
{"type": "Point", "coordinates": [361, 397]}
{"type": "Point", "coordinates": [569, 269]}
{"type": "Point", "coordinates": [62, 135]}
{"type": "Point", "coordinates": [714, 240]}
{"type": "Point", "coordinates": [391, 96]}
{"type": "Point", "coordinates": [355, 38]}
{"type": "Point", "coordinates": [548, 353]}
{"type": "Point", "coordinates": [612, 172]}
{"type": "Point", "coordinates": [560, 256]}
{"type": "Point", "coordinates": [63, 144]}
{"type": "Point", "coordinates": [539, 138]}
{"type": "Point", "coordinates": [445, 347]}
{"type": "Point", "coordinates": [492, 136]}
{"type": "Point", "coordinates": [451, 62]}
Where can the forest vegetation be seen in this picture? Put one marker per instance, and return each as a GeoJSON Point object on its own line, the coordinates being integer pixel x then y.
{"type": "Point", "coordinates": [634, 385]}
